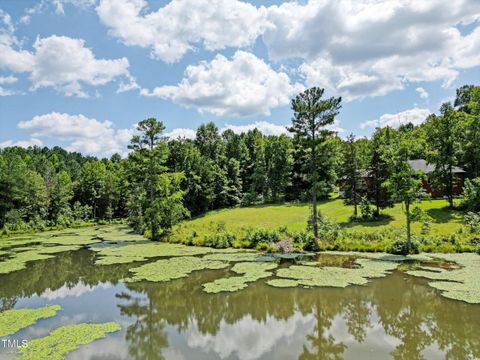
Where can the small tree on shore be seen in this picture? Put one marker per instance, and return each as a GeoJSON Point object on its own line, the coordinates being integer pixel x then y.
{"type": "Point", "coordinates": [404, 183]}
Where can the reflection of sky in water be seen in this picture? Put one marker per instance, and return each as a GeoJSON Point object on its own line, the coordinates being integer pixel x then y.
{"type": "Point", "coordinates": [176, 320]}
{"type": "Point", "coordinates": [249, 339]}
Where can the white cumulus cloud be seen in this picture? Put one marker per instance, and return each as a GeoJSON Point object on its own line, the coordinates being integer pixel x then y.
{"type": "Point", "coordinates": [267, 128]}
{"type": "Point", "coordinates": [241, 86]}
{"type": "Point", "coordinates": [7, 80]}
{"type": "Point", "coordinates": [21, 143]}
{"type": "Point", "coordinates": [360, 48]}
{"type": "Point", "coordinates": [422, 92]}
{"type": "Point", "coordinates": [174, 29]}
{"type": "Point", "coordinates": [61, 62]}
{"type": "Point", "coordinates": [83, 134]}
{"type": "Point", "coordinates": [416, 116]}
{"type": "Point", "coordinates": [181, 133]}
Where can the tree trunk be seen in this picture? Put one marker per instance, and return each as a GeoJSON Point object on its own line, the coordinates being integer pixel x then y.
{"type": "Point", "coordinates": [315, 217]}
{"type": "Point", "coordinates": [314, 180]}
{"type": "Point", "coordinates": [355, 210]}
{"type": "Point", "coordinates": [450, 186]}
{"type": "Point", "coordinates": [377, 193]}
{"type": "Point", "coordinates": [407, 211]}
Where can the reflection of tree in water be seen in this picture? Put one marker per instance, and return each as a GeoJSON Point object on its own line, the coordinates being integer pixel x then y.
{"type": "Point", "coordinates": [322, 344]}
{"type": "Point", "coordinates": [7, 303]}
{"type": "Point", "coordinates": [146, 336]}
{"type": "Point", "coordinates": [419, 317]}
{"type": "Point", "coordinates": [66, 269]}
{"type": "Point", "coordinates": [406, 308]}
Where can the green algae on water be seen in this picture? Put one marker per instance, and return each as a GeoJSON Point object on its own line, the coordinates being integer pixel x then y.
{"type": "Point", "coordinates": [18, 261]}
{"type": "Point", "coordinates": [120, 234]}
{"type": "Point", "coordinates": [307, 275]}
{"type": "Point", "coordinates": [242, 256]}
{"type": "Point", "coordinates": [459, 284]}
{"type": "Point", "coordinates": [143, 251]}
{"type": "Point", "coordinates": [173, 268]}
{"type": "Point", "coordinates": [251, 272]}
{"type": "Point", "coordinates": [14, 320]}
{"type": "Point", "coordinates": [66, 339]}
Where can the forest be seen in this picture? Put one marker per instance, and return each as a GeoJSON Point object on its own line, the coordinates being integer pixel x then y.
{"type": "Point", "coordinates": [163, 181]}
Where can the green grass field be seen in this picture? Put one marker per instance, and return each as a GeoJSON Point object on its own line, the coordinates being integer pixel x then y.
{"type": "Point", "coordinates": [294, 217]}
{"type": "Point", "coordinates": [444, 221]}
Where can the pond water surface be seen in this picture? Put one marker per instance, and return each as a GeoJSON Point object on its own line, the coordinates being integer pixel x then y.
{"type": "Point", "coordinates": [398, 316]}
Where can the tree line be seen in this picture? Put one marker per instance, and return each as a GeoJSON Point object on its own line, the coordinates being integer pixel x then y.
{"type": "Point", "coordinates": [164, 180]}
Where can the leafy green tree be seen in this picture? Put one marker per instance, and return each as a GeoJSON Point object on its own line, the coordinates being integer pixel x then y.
{"type": "Point", "coordinates": [151, 186]}
{"type": "Point", "coordinates": [378, 169]}
{"type": "Point", "coordinates": [231, 194]}
{"type": "Point", "coordinates": [279, 162]}
{"type": "Point", "coordinates": [300, 184]}
{"type": "Point", "coordinates": [61, 192]}
{"type": "Point", "coordinates": [198, 185]}
{"type": "Point", "coordinates": [258, 179]}
{"type": "Point", "coordinates": [403, 182]}
{"type": "Point", "coordinates": [444, 147]}
{"type": "Point", "coordinates": [36, 200]}
{"type": "Point", "coordinates": [352, 174]}
{"type": "Point", "coordinates": [209, 142]}
{"type": "Point", "coordinates": [468, 103]}
{"type": "Point", "coordinates": [312, 115]}
{"type": "Point", "coordinates": [13, 176]}
{"type": "Point", "coordinates": [93, 185]}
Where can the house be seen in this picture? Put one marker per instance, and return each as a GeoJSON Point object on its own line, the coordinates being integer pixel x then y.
{"type": "Point", "coordinates": [428, 169]}
{"type": "Point", "coordinates": [427, 184]}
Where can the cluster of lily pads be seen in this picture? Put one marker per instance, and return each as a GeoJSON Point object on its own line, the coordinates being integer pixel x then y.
{"type": "Point", "coordinates": [60, 341]}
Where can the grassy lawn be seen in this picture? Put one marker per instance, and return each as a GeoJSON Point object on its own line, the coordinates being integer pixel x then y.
{"type": "Point", "coordinates": [444, 223]}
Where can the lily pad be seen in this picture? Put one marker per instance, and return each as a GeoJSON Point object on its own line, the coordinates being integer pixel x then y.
{"type": "Point", "coordinates": [14, 320]}
{"type": "Point", "coordinates": [66, 339]}
{"type": "Point", "coordinates": [251, 271]}
{"type": "Point", "coordinates": [173, 268]}
{"type": "Point", "coordinates": [307, 275]}
{"type": "Point", "coordinates": [460, 284]}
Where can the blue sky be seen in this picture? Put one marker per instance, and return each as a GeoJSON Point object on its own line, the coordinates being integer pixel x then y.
{"type": "Point", "coordinates": [81, 73]}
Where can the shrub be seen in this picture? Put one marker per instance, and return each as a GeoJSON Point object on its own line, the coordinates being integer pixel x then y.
{"type": "Point", "coordinates": [472, 220]}
{"type": "Point", "coordinates": [327, 230]}
{"type": "Point", "coordinates": [399, 247]}
{"type": "Point", "coordinates": [14, 221]}
{"type": "Point", "coordinates": [220, 240]}
{"type": "Point", "coordinates": [304, 240]}
{"type": "Point", "coordinates": [471, 194]}
{"type": "Point", "coordinates": [255, 236]}
{"type": "Point", "coordinates": [367, 211]}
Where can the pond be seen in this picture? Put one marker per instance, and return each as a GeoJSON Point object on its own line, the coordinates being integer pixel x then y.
{"type": "Point", "coordinates": [394, 316]}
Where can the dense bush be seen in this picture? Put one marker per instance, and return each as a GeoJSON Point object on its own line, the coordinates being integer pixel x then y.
{"type": "Point", "coordinates": [256, 236]}
{"type": "Point", "coordinates": [472, 220]}
{"type": "Point", "coordinates": [220, 240]}
{"type": "Point", "coordinates": [471, 195]}
{"type": "Point", "coordinates": [399, 247]}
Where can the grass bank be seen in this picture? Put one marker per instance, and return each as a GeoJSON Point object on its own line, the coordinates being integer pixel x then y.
{"type": "Point", "coordinates": [445, 231]}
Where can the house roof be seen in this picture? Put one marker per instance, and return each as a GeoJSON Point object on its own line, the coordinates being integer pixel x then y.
{"type": "Point", "coordinates": [422, 165]}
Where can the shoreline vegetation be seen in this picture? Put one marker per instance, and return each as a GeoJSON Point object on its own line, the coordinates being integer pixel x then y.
{"type": "Point", "coordinates": [143, 260]}
{"type": "Point", "coordinates": [277, 228]}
